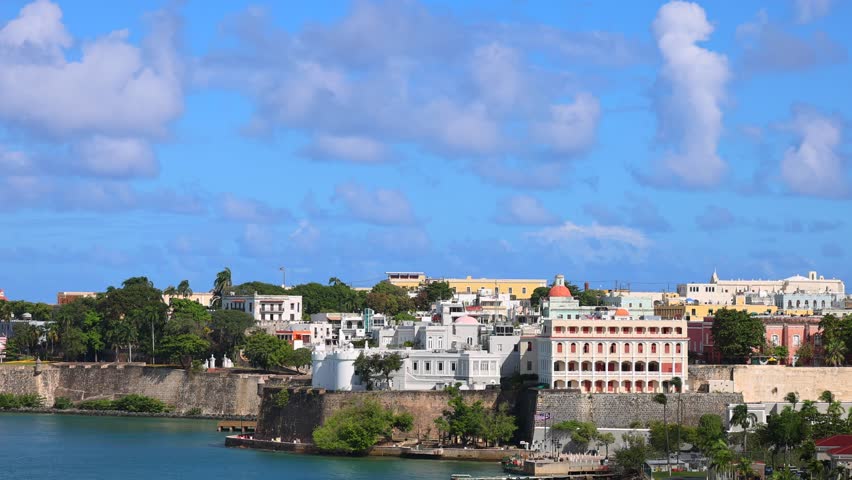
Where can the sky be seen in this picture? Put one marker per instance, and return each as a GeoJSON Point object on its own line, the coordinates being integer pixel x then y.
{"type": "Point", "coordinates": [642, 143]}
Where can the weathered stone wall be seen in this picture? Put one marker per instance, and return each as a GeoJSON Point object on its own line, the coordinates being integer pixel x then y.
{"type": "Point", "coordinates": [214, 393]}
{"type": "Point", "coordinates": [308, 408]}
{"type": "Point", "coordinates": [769, 383]}
{"type": "Point", "coordinates": [616, 410]}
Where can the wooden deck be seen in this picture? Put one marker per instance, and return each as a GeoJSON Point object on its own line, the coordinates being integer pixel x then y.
{"type": "Point", "coordinates": [242, 426]}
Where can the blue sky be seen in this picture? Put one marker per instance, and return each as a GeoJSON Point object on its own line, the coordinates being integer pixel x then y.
{"type": "Point", "coordinates": [642, 142]}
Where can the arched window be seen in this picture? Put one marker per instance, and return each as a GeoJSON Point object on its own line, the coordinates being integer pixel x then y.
{"type": "Point", "coordinates": [789, 304]}
{"type": "Point", "coordinates": [626, 348]}
{"type": "Point", "coordinates": [586, 348]}
{"type": "Point", "coordinates": [612, 348]}
{"type": "Point", "coordinates": [640, 348]}
{"type": "Point", "coordinates": [558, 348]}
{"type": "Point", "coordinates": [529, 346]}
{"type": "Point", "coordinates": [573, 348]}
{"type": "Point", "coordinates": [653, 348]}
{"type": "Point", "coordinates": [667, 348]}
{"type": "Point", "coordinates": [600, 348]}
{"type": "Point", "coordinates": [677, 348]}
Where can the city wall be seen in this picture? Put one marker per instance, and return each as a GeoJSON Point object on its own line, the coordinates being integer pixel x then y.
{"type": "Point", "coordinates": [218, 393]}
{"type": "Point", "coordinates": [770, 383]}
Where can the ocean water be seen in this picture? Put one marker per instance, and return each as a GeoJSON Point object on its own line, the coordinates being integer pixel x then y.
{"type": "Point", "coordinates": [68, 447]}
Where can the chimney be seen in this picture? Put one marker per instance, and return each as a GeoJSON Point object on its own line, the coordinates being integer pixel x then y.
{"type": "Point", "coordinates": [585, 286]}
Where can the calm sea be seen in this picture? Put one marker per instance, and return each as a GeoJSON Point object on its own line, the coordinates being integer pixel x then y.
{"type": "Point", "coordinates": [66, 447]}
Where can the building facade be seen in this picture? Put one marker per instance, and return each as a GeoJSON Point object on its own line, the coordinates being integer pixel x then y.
{"type": "Point", "coordinates": [784, 331]}
{"type": "Point", "coordinates": [722, 292]}
{"type": "Point", "coordinates": [64, 298]}
{"type": "Point", "coordinates": [407, 280]}
{"type": "Point", "coordinates": [266, 308]}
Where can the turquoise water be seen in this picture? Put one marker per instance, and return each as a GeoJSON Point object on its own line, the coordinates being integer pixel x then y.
{"type": "Point", "coordinates": [48, 447]}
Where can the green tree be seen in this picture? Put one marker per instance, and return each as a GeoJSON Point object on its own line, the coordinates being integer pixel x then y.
{"type": "Point", "coordinates": [436, 291]}
{"type": "Point", "coordinates": [184, 347]}
{"type": "Point", "coordinates": [183, 289]}
{"type": "Point", "coordinates": [188, 317]}
{"type": "Point", "coordinates": [581, 433]}
{"type": "Point", "coordinates": [371, 367]}
{"type": "Point", "coordinates": [744, 419]}
{"type": "Point", "coordinates": [266, 351]}
{"type": "Point", "coordinates": [221, 286]}
{"type": "Point", "coordinates": [835, 353]}
{"type": "Point", "coordinates": [630, 459]}
{"type": "Point", "coordinates": [299, 358]}
{"type": "Point", "coordinates": [499, 426]}
{"type": "Point", "coordinates": [663, 400]}
{"type": "Point", "coordinates": [356, 429]}
{"type": "Point", "coordinates": [709, 432]}
{"type": "Point", "coordinates": [537, 295]}
{"type": "Point", "coordinates": [805, 354]}
{"type": "Point", "coordinates": [261, 288]}
{"type": "Point", "coordinates": [737, 334]}
{"type": "Point", "coordinates": [228, 329]}
{"type": "Point", "coordinates": [792, 398]}
{"type": "Point", "coordinates": [606, 439]}
{"type": "Point", "coordinates": [74, 343]}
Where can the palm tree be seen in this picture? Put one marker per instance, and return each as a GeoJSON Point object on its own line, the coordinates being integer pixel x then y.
{"type": "Point", "coordinates": [792, 398]}
{"type": "Point", "coordinates": [835, 353]}
{"type": "Point", "coordinates": [221, 284]}
{"type": "Point", "coordinates": [170, 291]}
{"type": "Point", "coordinates": [663, 400]}
{"type": "Point", "coordinates": [607, 439]}
{"type": "Point", "coordinates": [183, 289]}
{"type": "Point", "coordinates": [826, 396]}
{"type": "Point", "coordinates": [721, 458]}
{"type": "Point", "coordinates": [677, 383]}
{"type": "Point", "coordinates": [745, 419]}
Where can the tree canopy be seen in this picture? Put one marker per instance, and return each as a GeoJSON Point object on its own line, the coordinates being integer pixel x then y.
{"type": "Point", "coordinates": [357, 428]}
{"type": "Point", "coordinates": [737, 334]}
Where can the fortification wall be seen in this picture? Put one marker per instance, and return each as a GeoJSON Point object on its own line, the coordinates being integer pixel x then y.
{"type": "Point", "coordinates": [309, 408]}
{"type": "Point", "coordinates": [214, 393]}
{"type": "Point", "coordinates": [769, 383]}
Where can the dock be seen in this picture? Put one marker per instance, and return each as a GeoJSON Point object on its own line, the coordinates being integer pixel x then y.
{"type": "Point", "coordinates": [242, 426]}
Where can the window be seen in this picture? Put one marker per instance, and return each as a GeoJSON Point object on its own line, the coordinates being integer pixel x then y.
{"type": "Point", "coordinates": [415, 365]}
{"type": "Point", "coordinates": [510, 290]}
{"type": "Point", "coordinates": [524, 290]}
{"type": "Point", "coordinates": [667, 348]}
{"type": "Point", "coordinates": [653, 348]}
{"type": "Point", "coordinates": [796, 340]}
{"type": "Point", "coordinates": [573, 348]}
{"type": "Point", "coordinates": [529, 346]}
{"type": "Point", "coordinates": [775, 340]}
{"type": "Point", "coordinates": [558, 348]}
{"type": "Point", "coordinates": [529, 366]}
{"type": "Point", "coordinates": [468, 289]}
{"type": "Point", "coordinates": [427, 366]}
{"type": "Point", "coordinates": [292, 306]}
{"type": "Point", "coordinates": [452, 366]}
{"type": "Point", "coordinates": [585, 348]}
{"type": "Point", "coordinates": [440, 367]}
{"type": "Point", "coordinates": [626, 348]}
{"type": "Point", "coordinates": [641, 348]}
{"type": "Point", "coordinates": [612, 348]}
{"type": "Point", "coordinates": [292, 316]}
{"type": "Point", "coordinates": [677, 348]}
{"type": "Point", "coordinates": [600, 348]}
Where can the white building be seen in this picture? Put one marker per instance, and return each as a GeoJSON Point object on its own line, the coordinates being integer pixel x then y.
{"type": "Point", "coordinates": [722, 292]}
{"type": "Point", "coordinates": [266, 308]}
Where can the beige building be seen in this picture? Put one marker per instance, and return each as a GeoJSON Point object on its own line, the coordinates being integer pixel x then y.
{"type": "Point", "coordinates": [407, 280]}
{"type": "Point", "coordinates": [723, 292]}
{"type": "Point", "coordinates": [520, 288]}
{"type": "Point", "coordinates": [203, 298]}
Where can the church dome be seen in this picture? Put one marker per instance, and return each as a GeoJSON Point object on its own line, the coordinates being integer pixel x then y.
{"type": "Point", "coordinates": [622, 312]}
{"type": "Point", "coordinates": [466, 320]}
{"type": "Point", "coordinates": [559, 291]}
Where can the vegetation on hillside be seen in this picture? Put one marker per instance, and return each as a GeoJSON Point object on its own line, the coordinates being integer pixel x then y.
{"type": "Point", "coordinates": [473, 424]}
{"type": "Point", "coordinates": [357, 428]}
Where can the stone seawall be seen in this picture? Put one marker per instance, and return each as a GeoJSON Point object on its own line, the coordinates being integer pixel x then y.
{"type": "Point", "coordinates": [309, 408]}
{"type": "Point", "coordinates": [770, 383]}
{"type": "Point", "coordinates": [214, 393]}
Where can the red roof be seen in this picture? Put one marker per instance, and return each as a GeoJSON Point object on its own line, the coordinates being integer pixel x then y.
{"type": "Point", "coordinates": [559, 291]}
{"type": "Point", "coordinates": [847, 450]}
{"type": "Point", "coordinates": [622, 312]}
{"type": "Point", "coordinates": [835, 441]}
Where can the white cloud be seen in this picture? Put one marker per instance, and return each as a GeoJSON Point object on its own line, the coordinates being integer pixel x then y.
{"type": "Point", "coordinates": [116, 157]}
{"type": "Point", "coordinates": [378, 207]}
{"type": "Point", "coordinates": [38, 28]}
{"type": "Point", "coordinates": [809, 10]}
{"type": "Point", "coordinates": [814, 166]}
{"type": "Point", "coordinates": [347, 148]}
{"type": "Point", "coordinates": [572, 127]}
{"type": "Point", "coordinates": [601, 243]}
{"type": "Point", "coordinates": [248, 210]}
{"type": "Point", "coordinates": [524, 210]}
{"type": "Point", "coordinates": [692, 87]}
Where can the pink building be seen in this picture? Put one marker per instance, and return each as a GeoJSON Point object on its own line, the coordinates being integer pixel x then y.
{"type": "Point", "coordinates": [2, 294]}
{"type": "Point", "coordinates": [790, 332]}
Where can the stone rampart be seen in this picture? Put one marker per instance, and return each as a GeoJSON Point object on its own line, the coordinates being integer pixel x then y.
{"type": "Point", "coordinates": [770, 383]}
{"type": "Point", "coordinates": [214, 393]}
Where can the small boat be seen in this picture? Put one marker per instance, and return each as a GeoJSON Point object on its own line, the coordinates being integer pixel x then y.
{"type": "Point", "coordinates": [459, 476]}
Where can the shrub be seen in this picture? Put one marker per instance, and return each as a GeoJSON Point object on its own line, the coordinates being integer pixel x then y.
{"type": "Point", "coordinates": [62, 403]}
{"type": "Point", "coordinates": [193, 412]}
{"type": "Point", "coordinates": [282, 398]}
{"type": "Point", "coordinates": [357, 428]}
{"type": "Point", "coordinates": [27, 400]}
{"type": "Point", "coordinates": [140, 403]}
{"type": "Point", "coordinates": [96, 404]}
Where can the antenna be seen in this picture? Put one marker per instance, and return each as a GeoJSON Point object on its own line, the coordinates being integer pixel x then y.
{"type": "Point", "coordinates": [283, 277]}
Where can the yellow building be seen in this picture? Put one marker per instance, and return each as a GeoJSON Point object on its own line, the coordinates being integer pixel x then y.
{"type": "Point", "coordinates": [407, 280]}
{"type": "Point", "coordinates": [698, 312]}
{"type": "Point", "coordinates": [521, 288]}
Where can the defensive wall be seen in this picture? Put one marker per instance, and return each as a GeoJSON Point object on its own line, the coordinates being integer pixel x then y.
{"type": "Point", "coordinates": [215, 393]}
{"type": "Point", "coordinates": [770, 383]}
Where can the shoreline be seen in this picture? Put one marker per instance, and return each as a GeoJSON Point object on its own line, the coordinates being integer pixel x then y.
{"type": "Point", "coordinates": [118, 413]}
{"type": "Point", "coordinates": [447, 454]}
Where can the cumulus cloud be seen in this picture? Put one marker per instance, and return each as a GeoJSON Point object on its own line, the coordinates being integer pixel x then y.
{"type": "Point", "coordinates": [690, 90]}
{"type": "Point", "coordinates": [524, 210]}
{"type": "Point", "coordinates": [108, 102]}
{"type": "Point", "coordinates": [814, 166]}
{"type": "Point", "coordinates": [770, 48]}
{"type": "Point", "coordinates": [249, 210]}
{"type": "Point", "coordinates": [389, 76]}
{"type": "Point", "coordinates": [594, 242]}
{"type": "Point", "coordinates": [717, 218]}
{"type": "Point", "coordinates": [378, 207]}
{"type": "Point", "coordinates": [809, 10]}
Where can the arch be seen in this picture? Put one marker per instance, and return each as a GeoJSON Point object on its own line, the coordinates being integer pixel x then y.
{"type": "Point", "coordinates": [572, 366]}
{"type": "Point", "coordinates": [613, 348]}
{"type": "Point", "coordinates": [677, 348]}
{"type": "Point", "coordinates": [653, 348]}
{"type": "Point", "coordinates": [573, 348]}
{"type": "Point", "coordinates": [587, 385]}
{"type": "Point", "coordinates": [667, 348]}
{"type": "Point", "coordinates": [640, 386]}
{"type": "Point", "coordinates": [612, 367]}
{"type": "Point", "coordinates": [639, 367]}
{"type": "Point", "coordinates": [559, 384]}
{"type": "Point", "coordinates": [626, 386]}
{"type": "Point", "coordinates": [626, 367]}
{"type": "Point", "coordinates": [640, 348]}
{"type": "Point", "coordinates": [626, 348]}
{"type": "Point", "coordinates": [599, 386]}
{"type": "Point", "coordinates": [823, 304]}
{"type": "Point", "coordinates": [678, 330]}
{"type": "Point", "coordinates": [573, 384]}
{"type": "Point", "coordinates": [798, 303]}
{"type": "Point", "coordinates": [806, 304]}
{"type": "Point", "coordinates": [559, 347]}
{"type": "Point", "coordinates": [600, 347]}
{"type": "Point", "coordinates": [600, 366]}
{"type": "Point", "coordinates": [559, 366]}
{"type": "Point", "coordinates": [653, 386]}
{"type": "Point", "coordinates": [586, 366]}
{"type": "Point", "coordinates": [587, 348]}
{"type": "Point", "coordinates": [789, 304]}
{"type": "Point", "coordinates": [653, 366]}
{"type": "Point", "coordinates": [612, 386]}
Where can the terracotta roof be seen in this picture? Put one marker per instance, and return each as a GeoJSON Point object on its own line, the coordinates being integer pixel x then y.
{"type": "Point", "coordinates": [835, 441]}
{"type": "Point", "coordinates": [559, 291]}
{"type": "Point", "coordinates": [466, 320]}
{"type": "Point", "coordinates": [847, 450]}
{"type": "Point", "coordinates": [622, 312]}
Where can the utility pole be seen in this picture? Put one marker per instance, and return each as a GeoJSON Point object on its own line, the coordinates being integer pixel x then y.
{"type": "Point", "coordinates": [283, 277]}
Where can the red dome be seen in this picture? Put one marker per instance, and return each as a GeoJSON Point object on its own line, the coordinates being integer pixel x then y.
{"type": "Point", "coordinates": [559, 291]}
{"type": "Point", "coordinates": [622, 312]}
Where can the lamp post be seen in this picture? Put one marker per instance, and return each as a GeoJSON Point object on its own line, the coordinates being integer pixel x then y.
{"type": "Point", "coordinates": [283, 277]}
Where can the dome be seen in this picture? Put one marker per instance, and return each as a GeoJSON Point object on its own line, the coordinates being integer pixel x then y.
{"type": "Point", "coordinates": [559, 291]}
{"type": "Point", "coordinates": [466, 320]}
{"type": "Point", "coordinates": [622, 312]}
